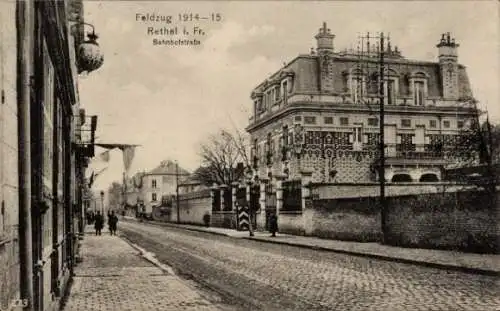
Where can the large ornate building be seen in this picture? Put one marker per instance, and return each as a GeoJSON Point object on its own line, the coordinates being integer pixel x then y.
{"type": "Point", "coordinates": [320, 113]}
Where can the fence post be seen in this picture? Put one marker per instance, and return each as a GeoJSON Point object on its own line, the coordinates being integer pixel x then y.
{"type": "Point", "coordinates": [279, 192]}
{"type": "Point", "coordinates": [262, 201]}
{"type": "Point", "coordinates": [223, 188]}
{"type": "Point", "coordinates": [234, 219]}
{"type": "Point", "coordinates": [306, 191]}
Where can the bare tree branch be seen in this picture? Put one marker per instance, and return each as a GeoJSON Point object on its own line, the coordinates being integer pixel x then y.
{"type": "Point", "coordinates": [220, 156]}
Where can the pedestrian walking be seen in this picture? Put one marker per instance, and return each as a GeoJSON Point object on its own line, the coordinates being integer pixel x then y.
{"type": "Point", "coordinates": [273, 224]}
{"type": "Point", "coordinates": [112, 223]}
{"type": "Point", "coordinates": [98, 223]}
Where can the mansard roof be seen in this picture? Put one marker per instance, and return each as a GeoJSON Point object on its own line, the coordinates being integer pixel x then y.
{"type": "Point", "coordinates": [305, 70]}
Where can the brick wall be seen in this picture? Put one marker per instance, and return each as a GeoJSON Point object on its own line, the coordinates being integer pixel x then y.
{"type": "Point", "coordinates": [352, 219]}
{"type": "Point", "coordinates": [292, 223]}
{"type": "Point", "coordinates": [450, 220]}
{"type": "Point", "coordinates": [9, 246]}
{"type": "Point", "coordinates": [223, 219]}
{"type": "Point", "coordinates": [460, 220]}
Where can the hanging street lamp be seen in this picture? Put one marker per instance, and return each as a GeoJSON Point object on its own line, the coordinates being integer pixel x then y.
{"type": "Point", "coordinates": [89, 54]}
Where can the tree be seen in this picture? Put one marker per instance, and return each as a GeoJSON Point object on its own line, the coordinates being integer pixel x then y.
{"type": "Point", "coordinates": [224, 158]}
{"type": "Point", "coordinates": [479, 145]}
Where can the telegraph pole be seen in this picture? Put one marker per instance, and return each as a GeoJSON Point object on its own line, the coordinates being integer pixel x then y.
{"type": "Point", "coordinates": [363, 58]}
{"type": "Point", "coordinates": [177, 191]}
{"type": "Point", "coordinates": [381, 174]}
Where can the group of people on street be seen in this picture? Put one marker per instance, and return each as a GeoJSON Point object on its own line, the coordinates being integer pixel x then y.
{"type": "Point", "coordinates": [98, 220]}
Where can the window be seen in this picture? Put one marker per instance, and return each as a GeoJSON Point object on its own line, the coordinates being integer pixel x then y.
{"type": "Point", "coordinates": [153, 183]}
{"type": "Point", "coordinates": [405, 123]}
{"type": "Point", "coordinates": [328, 120]}
{"type": "Point", "coordinates": [344, 121]}
{"type": "Point", "coordinates": [285, 135]}
{"type": "Point", "coordinates": [460, 124]}
{"type": "Point", "coordinates": [310, 120]}
{"type": "Point", "coordinates": [153, 196]}
{"type": "Point", "coordinates": [391, 92]}
{"type": "Point", "coordinates": [285, 89]}
{"type": "Point", "coordinates": [358, 135]}
{"type": "Point", "coordinates": [277, 93]}
{"type": "Point", "coordinates": [357, 88]}
{"type": "Point", "coordinates": [432, 123]}
{"type": "Point", "coordinates": [298, 118]}
{"type": "Point", "coordinates": [419, 93]}
{"type": "Point", "coordinates": [372, 122]}
{"type": "Point", "coordinates": [446, 124]}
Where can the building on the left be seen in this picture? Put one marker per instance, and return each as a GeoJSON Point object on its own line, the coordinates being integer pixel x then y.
{"type": "Point", "coordinates": [44, 147]}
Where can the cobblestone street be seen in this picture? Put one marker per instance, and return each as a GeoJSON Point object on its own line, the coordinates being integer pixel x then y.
{"type": "Point", "coordinates": [113, 276]}
{"type": "Point", "coordinates": [267, 276]}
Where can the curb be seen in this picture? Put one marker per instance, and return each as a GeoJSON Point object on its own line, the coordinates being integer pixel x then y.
{"type": "Point", "coordinates": [387, 258]}
{"type": "Point", "coordinates": [427, 264]}
{"type": "Point", "coordinates": [166, 224]}
{"type": "Point", "coordinates": [150, 257]}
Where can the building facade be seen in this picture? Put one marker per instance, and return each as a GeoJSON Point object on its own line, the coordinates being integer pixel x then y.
{"type": "Point", "coordinates": [320, 114]}
{"type": "Point", "coordinates": [42, 162]}
{"type": "Point", "coordinates": [160, 182]}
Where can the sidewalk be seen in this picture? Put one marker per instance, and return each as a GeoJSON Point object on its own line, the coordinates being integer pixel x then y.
{"type": "Point", "coordinates": [114, 276]}
{"type": "Point", "coordinates": [467, 262]}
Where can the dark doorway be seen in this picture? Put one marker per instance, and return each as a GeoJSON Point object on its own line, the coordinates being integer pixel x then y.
{"type": "Point", "coordinates": [401, 178]}
{"type": "Point", "coordinates": [429, 178]}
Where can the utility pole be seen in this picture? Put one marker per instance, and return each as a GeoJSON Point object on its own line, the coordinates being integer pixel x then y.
{"type": "Point", "coordinates": [102, 203]}
{"type": "Point", "coordinates": [177, 191]}
{"type": "Point", "coordinates": [124, 190]}
{"type": "Point", "coordinates": [366, 59]}
{"type": "Point", "coordinates": [381, 174]}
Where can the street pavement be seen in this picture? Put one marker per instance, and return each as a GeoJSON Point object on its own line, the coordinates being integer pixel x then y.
{"type": "Point", "coordinates": [115, 276]}
{"type": "Point", "coordinates": [452, 260]}
{"type": "Point", "coordinates": [264, 276]}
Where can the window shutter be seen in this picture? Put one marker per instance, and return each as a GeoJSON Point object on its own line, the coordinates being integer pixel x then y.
{"type": "Point", "coordinates": [365, 139]}
{"type": "Point", "coordinates": [398, 139]}
{"type": "Point", "coordinates": [351, 138]}
{"type": "Point", "coordinates": [427, 140]}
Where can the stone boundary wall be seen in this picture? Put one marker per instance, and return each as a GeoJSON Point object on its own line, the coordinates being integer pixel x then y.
{"type": "Point", "coordinates": [193, 206]}
{"type": "Point", "coordinates": [223, 219]}
{"type": "Point", "coordinates": [460, 220]}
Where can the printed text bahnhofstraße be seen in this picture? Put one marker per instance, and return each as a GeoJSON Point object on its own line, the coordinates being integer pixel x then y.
{"type": "Point", "coordinates": [178, 42]}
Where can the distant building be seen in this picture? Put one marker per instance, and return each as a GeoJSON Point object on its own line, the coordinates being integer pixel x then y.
{"type": "Point", "coordinates": [324, 107]}
{"type": "Point", "coordinates": [190, 184]}
{"type": "Point", "coordinates": [160, 182]}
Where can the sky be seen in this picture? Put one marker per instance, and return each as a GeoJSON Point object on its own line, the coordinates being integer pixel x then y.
{"type": "Point", "coordinates": [169, 99]}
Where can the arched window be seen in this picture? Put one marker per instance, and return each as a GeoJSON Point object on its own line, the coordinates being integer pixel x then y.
{"type": "Point", "coordinates": [429, 178]}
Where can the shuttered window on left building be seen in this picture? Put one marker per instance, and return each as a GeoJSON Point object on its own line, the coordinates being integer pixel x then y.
{"type": "Point", "coordinates": [48, 143]}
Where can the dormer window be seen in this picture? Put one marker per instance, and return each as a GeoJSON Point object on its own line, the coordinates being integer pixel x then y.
{"type": "Point", "coordinates": [357, 85]}
{"type": "Point", "coordinates": [284, 89]}
{"type": "Point", "coordinates": [391, 87]}
{"type": "Point", "coordinates": [390, 91]}
{"type": "Point", "coordinates": [418, 87]}
{"type": "Point", "coordinates": [418, 93]}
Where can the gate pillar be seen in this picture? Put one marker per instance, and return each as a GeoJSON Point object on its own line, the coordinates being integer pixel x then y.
{"type": "Point", "coordinates": [306, 192]}
{"type": "Point", "coordinates": [279, 192]}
